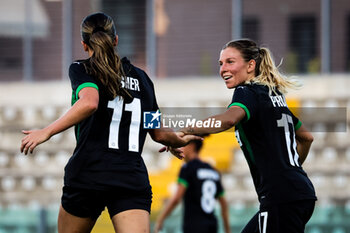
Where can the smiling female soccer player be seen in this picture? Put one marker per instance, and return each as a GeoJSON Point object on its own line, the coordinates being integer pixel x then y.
{"type": "Point", "coordinates": [273, 140]}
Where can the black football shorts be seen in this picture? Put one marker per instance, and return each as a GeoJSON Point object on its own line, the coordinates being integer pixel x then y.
{"type": "Point", "coordinates": [86, 203]}
{"type": "Point", "coordinates": [285, 217]}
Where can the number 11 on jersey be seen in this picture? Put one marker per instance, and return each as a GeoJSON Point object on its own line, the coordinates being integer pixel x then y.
{"type": "Point", "coordinates": [135, 108]}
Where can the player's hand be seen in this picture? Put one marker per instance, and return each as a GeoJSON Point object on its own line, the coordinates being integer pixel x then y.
{"type": "Point", "coordinates": [177, 152]}
{"type": "Point", "coordinates": [32, 139]}
{"type": "Point", "coordinates": [186, 138]}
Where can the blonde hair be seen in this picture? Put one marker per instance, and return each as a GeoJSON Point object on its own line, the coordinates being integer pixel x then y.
{"type": "Point", "coordinates": [266, 72]}
{"type": "Point", "coordinates": [99, 33]}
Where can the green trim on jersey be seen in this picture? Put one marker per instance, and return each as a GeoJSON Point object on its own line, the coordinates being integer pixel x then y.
{"type": "Point", "coordinates": [81, 86]}
{"type": "Point", "coordinates": [183, 182]}
{"type": "Point", "coordinates": [75, 93]}
{"type": "Point", "coordinates": [245, 141]}
{"type": "Point", "coordinates": [242, 106]}
{"type": "Point", "coordinates": [221, 194]}
{"type": "Point", "coordinates": [75, 97]}
{"type": "Point", "coordinates": [298, 125]}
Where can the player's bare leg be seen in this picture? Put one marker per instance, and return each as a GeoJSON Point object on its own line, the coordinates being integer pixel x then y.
{"type": "Point", "coordinates": [68, 223]}
{"type": "Point", "coordinates": [135, 221]}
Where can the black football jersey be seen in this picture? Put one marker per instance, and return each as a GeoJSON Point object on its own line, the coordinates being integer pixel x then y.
{"type": "Point", "coordinates": [203, 187]}
{"type": "Point", "coordinates": [267, 138]}
{"type": "Point", "coordinates": [110, 141]}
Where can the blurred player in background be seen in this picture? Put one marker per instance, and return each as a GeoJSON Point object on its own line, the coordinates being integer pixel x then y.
{"type": "Point", "coordinates": [273, 140]}
{"type": "Point", "coordinates": [199, 184]}
{"type": "Point", "coordinates": [106, 169]}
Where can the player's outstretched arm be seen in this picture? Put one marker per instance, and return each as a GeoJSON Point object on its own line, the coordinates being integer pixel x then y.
{"type": "Point", "coordinates": [228, 119]}
{"type": "Point", "coordinates": [174, 201]}
{"type": "Point", "coordinates": [225, 214]}
{"type": "Point", "coordinates": [304, 140]}
{"type": "Point", "coordinates": [84, 107]}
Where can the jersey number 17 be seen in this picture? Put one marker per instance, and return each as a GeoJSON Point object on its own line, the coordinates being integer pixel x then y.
{"type": "Point", "coordinates": [290, 139]}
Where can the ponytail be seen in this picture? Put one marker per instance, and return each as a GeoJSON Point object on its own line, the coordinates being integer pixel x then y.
{"type": "Point", "coordinates": [98, 32]}
{"type": "Point", "coordinates": [268, 74]}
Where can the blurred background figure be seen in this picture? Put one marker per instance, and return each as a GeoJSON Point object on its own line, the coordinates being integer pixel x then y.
{"type": "Point", "coordinates": [176, 43]}
{"type": "Point", "coordinates": [199, 185]}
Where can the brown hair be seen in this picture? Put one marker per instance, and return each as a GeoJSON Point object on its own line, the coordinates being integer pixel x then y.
{"type": "Point", "coordinates": [266, 72]}
{"type": "Point", "coordinates": [99, 33]}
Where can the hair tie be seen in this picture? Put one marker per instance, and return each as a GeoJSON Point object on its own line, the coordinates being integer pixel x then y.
{"type": "Point", "coordinates": [98, 29]}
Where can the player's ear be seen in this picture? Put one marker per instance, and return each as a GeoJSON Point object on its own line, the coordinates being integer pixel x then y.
{"type": "Point", "coordinates": [85, 46]}
{"type": "Point", "coordinates": [251, 66]}
{"type": "Point", "coordinates": [115, 43]}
